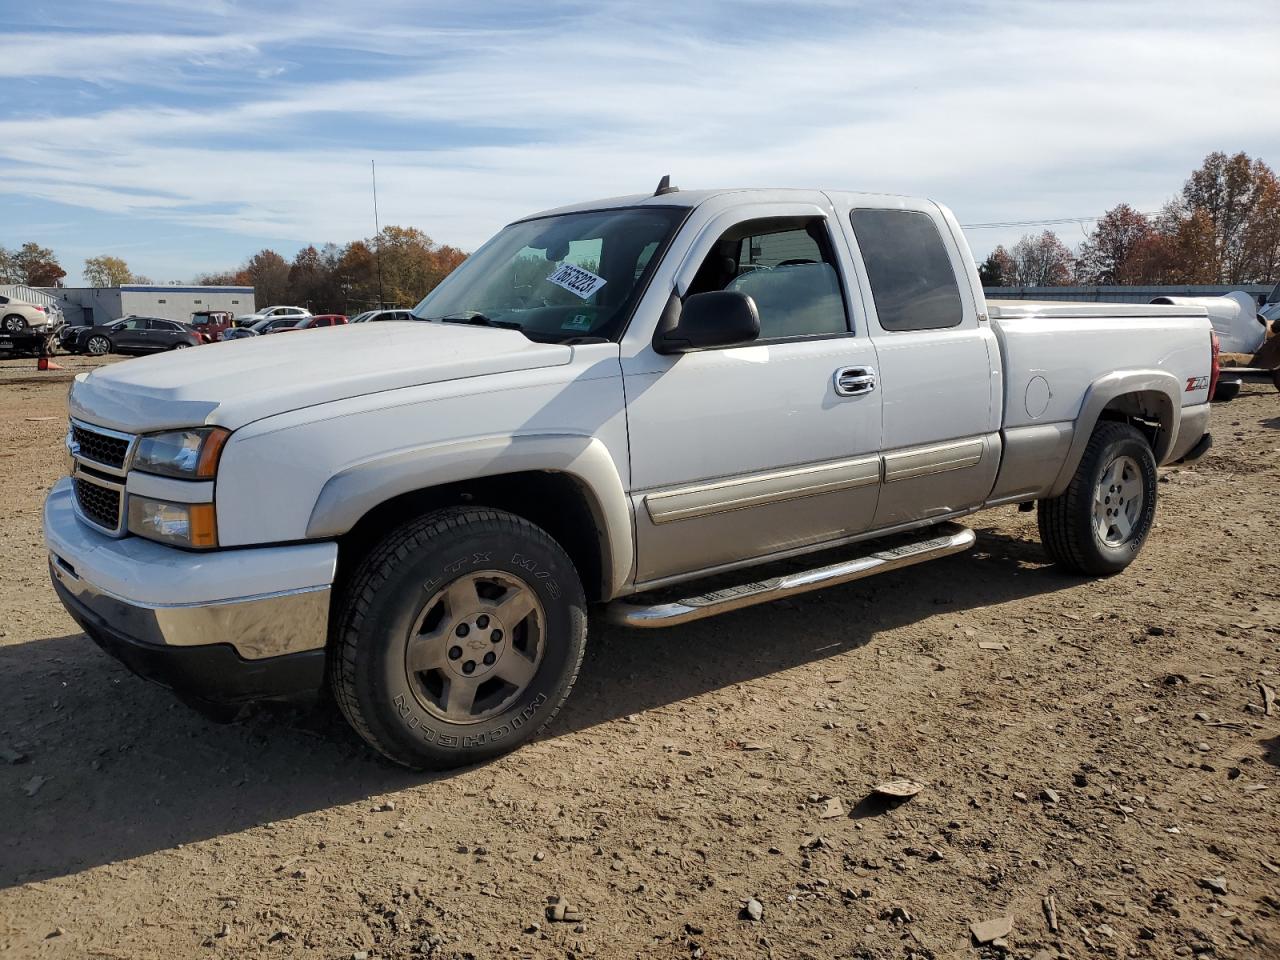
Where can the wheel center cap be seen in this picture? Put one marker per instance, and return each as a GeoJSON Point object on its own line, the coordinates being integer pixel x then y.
{"type": "Point", "coordinates": [476, 645]}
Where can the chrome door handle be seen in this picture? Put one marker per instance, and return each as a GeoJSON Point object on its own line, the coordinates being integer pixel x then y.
{"type": "Point", "coordinates": [854, 381]}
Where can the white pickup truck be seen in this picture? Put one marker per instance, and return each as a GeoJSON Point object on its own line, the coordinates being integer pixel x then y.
{"type": "Point", "coordinates": [620, 402]}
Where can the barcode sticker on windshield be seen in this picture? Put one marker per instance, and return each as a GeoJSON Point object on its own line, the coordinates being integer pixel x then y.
{"type": "Point", "coordinates": [577, 281]}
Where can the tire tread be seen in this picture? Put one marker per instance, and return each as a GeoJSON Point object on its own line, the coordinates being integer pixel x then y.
{"type": "Point", "coordinates": [373, 573]}
{"type": "Point", "coordinates": [1055, 516]}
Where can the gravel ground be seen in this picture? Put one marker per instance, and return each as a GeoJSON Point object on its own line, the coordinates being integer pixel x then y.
{"type": "Point", "coordinates": [1091, 750]}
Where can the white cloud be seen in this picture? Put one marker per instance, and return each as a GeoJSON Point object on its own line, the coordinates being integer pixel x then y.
{"type": "Point", "coordinates": [1011, 111]}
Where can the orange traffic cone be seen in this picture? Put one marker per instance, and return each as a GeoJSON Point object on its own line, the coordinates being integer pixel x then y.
{"type": "Point", "coordinates": [44, 363]}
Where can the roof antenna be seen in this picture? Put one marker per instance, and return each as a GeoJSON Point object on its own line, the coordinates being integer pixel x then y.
{"type": "Point", "coordinates": [664, 186]}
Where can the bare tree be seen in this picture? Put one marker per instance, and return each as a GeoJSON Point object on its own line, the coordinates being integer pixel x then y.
{"type": "Point", "coordinates": [1042, 261]}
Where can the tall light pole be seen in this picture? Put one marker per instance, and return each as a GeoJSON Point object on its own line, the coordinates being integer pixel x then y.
{"type": "Point", "coordinates": [377, 230]}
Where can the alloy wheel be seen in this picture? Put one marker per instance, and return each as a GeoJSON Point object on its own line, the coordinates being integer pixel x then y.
{"type": "Point", "coordinates": [1117, 501]}
{"type": "Point", "coordinates": [475, 646]}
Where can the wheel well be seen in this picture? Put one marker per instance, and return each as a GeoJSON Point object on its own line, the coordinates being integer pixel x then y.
{"type": "Point", "coordinates": [1149, 411]}
{"type": "Point", "coordinates": [556, 502]}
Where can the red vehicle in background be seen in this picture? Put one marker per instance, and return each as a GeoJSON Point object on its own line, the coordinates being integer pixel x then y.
{"type": "Point", "coordinates": [210, 323]}
{"type": "Point", "coordinates": [311, 323]}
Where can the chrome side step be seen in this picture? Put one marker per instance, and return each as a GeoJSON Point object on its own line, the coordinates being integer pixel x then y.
{"type": "Point", "coordinates": [953, 539]}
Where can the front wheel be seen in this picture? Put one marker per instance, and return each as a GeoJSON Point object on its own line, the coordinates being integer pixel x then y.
{"type": "Point", "coordinates": [461, 636]}
{"type": "Point", "coordinates": [98, 346]}
{"type": "Point", "coordinates": [15, 323]}
{"type": "Point", "coordinates": [1099, 523]}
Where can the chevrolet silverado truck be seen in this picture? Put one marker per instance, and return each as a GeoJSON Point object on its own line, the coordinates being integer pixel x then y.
{"type": "Point", "coordinates": [656, 404]}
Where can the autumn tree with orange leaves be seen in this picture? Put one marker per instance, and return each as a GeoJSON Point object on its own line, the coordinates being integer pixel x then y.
{"type": "Point", "coordinates": [1223, 228]}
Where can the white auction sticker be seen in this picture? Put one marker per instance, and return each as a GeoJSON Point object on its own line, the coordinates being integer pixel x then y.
{"type": "Point", "coordinates": [577, 281]}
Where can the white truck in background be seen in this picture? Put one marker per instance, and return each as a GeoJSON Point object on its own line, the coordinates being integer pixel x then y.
{"type": "Point", "coordinates": [607, 403]}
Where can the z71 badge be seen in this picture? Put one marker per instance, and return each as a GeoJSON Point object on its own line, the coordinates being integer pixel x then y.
{"type": "Point", "coordinates": [1197, 383]}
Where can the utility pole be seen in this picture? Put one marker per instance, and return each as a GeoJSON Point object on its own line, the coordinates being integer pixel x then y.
{"type": "Point", "coordinates": [377, 231]}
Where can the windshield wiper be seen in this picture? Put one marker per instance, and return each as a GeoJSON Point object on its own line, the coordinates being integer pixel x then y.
{"type": "Point", "coordinates": [477, 319]}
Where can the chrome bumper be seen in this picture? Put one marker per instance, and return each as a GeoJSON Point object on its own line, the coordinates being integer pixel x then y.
{"type": "Point", "coordinates": [268, 625]}
{"type": "Point", "coordinates": [262, 602]}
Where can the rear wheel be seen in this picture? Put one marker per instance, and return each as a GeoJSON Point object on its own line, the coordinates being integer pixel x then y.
{"type": "Point", "coordinates": [14, 323]}
{"type": "Point", "coordinates": [1100, 522]}
{"type": "Point", "coordinates": [461, 636]}
{"type": "Point", "coordinates": [98, 345]}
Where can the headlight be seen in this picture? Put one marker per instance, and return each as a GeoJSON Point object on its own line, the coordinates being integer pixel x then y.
{"type": "Point", "coordinates": [181, 524]}
{"type": "Point", "coordinates": [188, 454]}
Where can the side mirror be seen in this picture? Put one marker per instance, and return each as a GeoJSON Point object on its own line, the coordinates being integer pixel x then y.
{"type": "Point", "coordinates": [719, 318]}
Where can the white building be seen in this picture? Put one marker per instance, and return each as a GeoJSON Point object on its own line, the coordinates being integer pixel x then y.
{"type": "Point", "coordinates": [91, 305]}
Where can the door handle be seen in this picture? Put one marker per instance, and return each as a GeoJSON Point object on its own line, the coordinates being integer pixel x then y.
{"type": "Point", "coordinates": [854, 381]}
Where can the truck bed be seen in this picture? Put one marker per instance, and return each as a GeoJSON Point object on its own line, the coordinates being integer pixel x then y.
{"type": "Point", "coordinates": [1064, 309]}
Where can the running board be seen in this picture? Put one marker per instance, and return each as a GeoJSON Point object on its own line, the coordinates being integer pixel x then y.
{"type": "Point", "coordinates": [954, 538]}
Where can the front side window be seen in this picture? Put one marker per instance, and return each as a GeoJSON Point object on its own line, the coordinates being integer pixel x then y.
{"type": "Point", "coordinates": [788, 267]}
{"type": "Point", "coordinates": [558, 278]}
{"type": "Point", "coordinates": [912, 281]}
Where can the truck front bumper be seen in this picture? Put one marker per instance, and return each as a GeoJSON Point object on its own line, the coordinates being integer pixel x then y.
{"type": "Point", "coordinates": [222, 627]}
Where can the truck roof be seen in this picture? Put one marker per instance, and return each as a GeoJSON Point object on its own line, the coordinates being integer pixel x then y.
{"type": "Point", "coordinates": [683, 198]}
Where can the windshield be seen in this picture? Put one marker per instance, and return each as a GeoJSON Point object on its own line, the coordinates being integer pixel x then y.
{"type": "Point", "coordinates": [558, 278]}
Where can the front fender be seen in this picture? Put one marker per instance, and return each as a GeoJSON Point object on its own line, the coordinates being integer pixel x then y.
{"type": "Point", "coordinates": [1164, 387]}
{"type": "Point", "coordinates": [350, 494]}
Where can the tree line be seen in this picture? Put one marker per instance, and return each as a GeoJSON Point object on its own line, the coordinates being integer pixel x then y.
{"type": "Point", "coordinates": [1223, 228]}
{"type": "Point", "coordinates": [37, 266]}
{"type": "Point", "coordinates": [398, 267]}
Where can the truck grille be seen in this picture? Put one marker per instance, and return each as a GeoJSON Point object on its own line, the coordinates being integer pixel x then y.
{"type": "Point", "coordinates": [98, 504]}
{"type": "Point", "coordinates": [103, 448]}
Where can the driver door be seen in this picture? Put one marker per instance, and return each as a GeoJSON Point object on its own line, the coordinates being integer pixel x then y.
{"type": "Point", "coordinates": [131, 334]}
{"type": "Point", "coordinates": [764, 449]}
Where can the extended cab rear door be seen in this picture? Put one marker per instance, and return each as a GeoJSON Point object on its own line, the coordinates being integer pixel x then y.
{"type": "Point", "coordinates": [939, 362]}
{"type": "Point", "coordinates": [771, 447]}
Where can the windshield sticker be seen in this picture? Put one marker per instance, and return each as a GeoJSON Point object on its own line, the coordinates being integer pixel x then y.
{"type": "Point", "coordinates": [580, 322]}
{"type": "Point", "coordinates": [581, 283]}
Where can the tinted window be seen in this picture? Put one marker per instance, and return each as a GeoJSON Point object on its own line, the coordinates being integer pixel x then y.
{"type": "Point", "coordinates": [787, 266]}
{"type": "Point", "coordinates": [912, 281]}
{"type": "Point", "coordinates": [162, 325]}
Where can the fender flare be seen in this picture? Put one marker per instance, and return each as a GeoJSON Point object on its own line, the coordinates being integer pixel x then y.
{"type": "Point", "coordinates": [1103, 391]}
{"type": "Point", "coordinates": [352, 492]}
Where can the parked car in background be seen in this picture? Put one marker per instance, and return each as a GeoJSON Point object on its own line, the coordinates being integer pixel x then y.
{"type": "Point", "coordinates": [315, 322]}
{"type": "Point", "coordinates": [211, 324]}
{"type": "Point", "coordinates": [272, 313]}
{"type": "Point", "coordinates": [28, 327]}
{"type": "Point", "coordinates": [374, 316]}
{"type": "Point", "coordinates": [134, 335]}
{"type": "Point", "coordinates": [267, 325]}
{"type": "Point", "coordinates": [18, 315]}
{"type": "Point", "coordinates": [68, 333]}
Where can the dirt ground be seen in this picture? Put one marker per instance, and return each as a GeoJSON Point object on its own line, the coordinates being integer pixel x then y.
{"type": "Point", "coordinates": [1112, 755]}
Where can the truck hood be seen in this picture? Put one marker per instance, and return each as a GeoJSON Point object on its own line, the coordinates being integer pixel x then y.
{"type": "Point", "coordinates": [231, 384]}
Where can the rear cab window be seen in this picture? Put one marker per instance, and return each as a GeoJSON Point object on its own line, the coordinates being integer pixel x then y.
{"type": "Point", "coordinates": [912, 281]}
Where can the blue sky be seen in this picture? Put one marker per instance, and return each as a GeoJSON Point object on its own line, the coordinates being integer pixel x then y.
{"type": "Point", "coordinates": [186, 136]}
